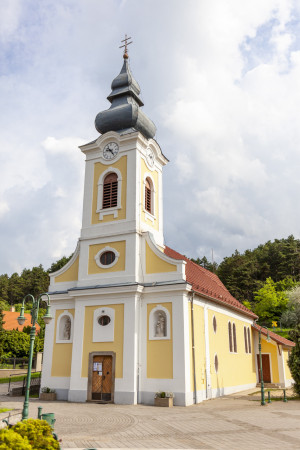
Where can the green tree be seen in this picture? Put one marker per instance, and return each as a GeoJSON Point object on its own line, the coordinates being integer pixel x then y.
{"type": "Point", "coordinates": [14, 343]}
{"type": "Point", "coordinates": [270, 302]}
{"type": "Point", "coordinates": [59, 264]}
{"type": "Point", "coordinates": [291, 317]}
{"type": "Point", "coordinates": [206, 264]}
{"type": "Point", "coordinates": [294, 359]}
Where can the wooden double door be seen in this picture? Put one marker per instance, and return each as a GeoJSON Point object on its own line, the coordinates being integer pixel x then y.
{"type": "Point", "coordinates": [101, 377]}
{"type": "Point", "coordinates": [266, 368]}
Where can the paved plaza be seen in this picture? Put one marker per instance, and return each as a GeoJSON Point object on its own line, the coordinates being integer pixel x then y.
{"type": "Point", "coordinates": [232, 422]}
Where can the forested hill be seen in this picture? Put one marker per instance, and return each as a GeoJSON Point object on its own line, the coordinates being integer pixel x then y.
{"type": "Point", "coordinates": [242, 273]}
{"type": "Point", "coordinates": [245, 273]}
{"type": "Point", "coordinates": [31, 281]}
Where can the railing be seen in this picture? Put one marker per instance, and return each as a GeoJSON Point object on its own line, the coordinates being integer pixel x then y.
{"type": "Point", "coordinates": [17, 384]}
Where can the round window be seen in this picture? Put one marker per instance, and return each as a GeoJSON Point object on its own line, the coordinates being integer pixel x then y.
{"type": "Point", "coordinates": [107, 258]}
{"type": "Point", "coordinates": [104, 320]}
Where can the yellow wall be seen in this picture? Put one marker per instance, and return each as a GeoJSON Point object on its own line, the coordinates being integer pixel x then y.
{"type": "Point", "coordinates": [199, 343]}
{"type": "Point", "coordinates": [71, 274]}
{"type": "Point", "coordinates": [99, 168]}
{"type": "Point", "coordinates": [120, 246]}
{"type": "Point", "coordinates": [288, 375]}
{"type": "Point", "coordinates": [270, 347]}
{"type": "Point", "coordinates": [154, 264]}
{"type": "Point", "coordinates": [62, 353]}
{"type": "Point", "coordinates": [234, 368]}
{"type": "Point", "coordinates": [154, 175]}
{"type": "Point", "coordinates": [160, 352]}
{"type": "Point", "coordinates": [116, 346]}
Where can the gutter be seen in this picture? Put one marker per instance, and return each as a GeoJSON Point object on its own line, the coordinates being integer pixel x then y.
{"type": "Point", "coordinates": [193, 346]}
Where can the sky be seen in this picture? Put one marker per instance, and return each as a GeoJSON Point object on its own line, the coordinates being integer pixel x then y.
{"type": "Point", "coordinates": [221, 81]}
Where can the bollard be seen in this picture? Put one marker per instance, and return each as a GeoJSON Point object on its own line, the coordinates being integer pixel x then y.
{"type": "Point", "coordinates": [284, 395]}
{"type": "Point", "coordinates": [49, 417]}
{"type": "Point", "coordinates": [39, 412]}
{"type": "Point", "coordinates": [269, 397]}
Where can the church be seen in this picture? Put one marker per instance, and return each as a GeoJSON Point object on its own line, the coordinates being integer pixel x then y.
{"type": "Point", "coordinates": [132, 316]}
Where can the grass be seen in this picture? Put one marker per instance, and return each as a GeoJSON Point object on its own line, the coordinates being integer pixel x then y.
{"type": "Point", "coordinates": [5, 409]}
{"type": "Point", "coordinates": [284, 332]}
{"type": "Point", "coordinates": [18, 377]}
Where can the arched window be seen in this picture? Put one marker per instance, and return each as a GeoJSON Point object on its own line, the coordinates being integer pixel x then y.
{"type": "Point", "coordinates": [230, 336]}
{"type": "Point", "coordinates": [234, 338]}
{"type": "Point", "coordinates": [214, 324]}
{"type": "Point", "coordinates": [246, 339]}
{"type": "Point", "coordinates": [216, 363]}
{"type": "Point", "coordinates": [110, 191]}
{"type": "Point", "coordinates": [249, 340]}
{"type": "Point", "coordinates": [148, 196]}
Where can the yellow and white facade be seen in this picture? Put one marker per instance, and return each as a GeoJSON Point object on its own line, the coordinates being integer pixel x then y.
{"type": "Point", "coordinates": [141, 309]}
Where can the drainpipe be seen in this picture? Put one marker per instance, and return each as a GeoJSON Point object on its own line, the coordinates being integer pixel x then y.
{"type": "Point", "coordinates": [193, 346]}
{"type": "Point", "coordinates": [139, 350]}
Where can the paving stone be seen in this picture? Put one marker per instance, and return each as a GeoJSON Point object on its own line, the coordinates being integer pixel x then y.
{"type": "Point", "coordinates": [232, 422]}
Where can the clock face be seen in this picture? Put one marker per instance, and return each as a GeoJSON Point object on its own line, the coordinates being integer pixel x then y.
{"type": "Point", "coordinates": [150, 157]}
{"type": "Point", "coordinates": [110, 150]}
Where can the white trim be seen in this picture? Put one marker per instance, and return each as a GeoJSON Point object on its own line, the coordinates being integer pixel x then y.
{"type": "Point", "coordinates": [103, 333]}
{"type": "Point", "coordinates": [103, 250]}
{"type": "Point", "coordinates": [58, 338]}
{"type": "Point", "coordinates": [114, 210]}
{"type": "Point", "coordinates": [68, 265]}
{"type": "Point", "coordinates": [207, 354]}
{"type": "Point", "coordinates": [152, 336]}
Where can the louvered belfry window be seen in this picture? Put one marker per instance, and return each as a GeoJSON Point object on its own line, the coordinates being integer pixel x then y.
{"type": "Point", "coordinates": [148, 196]}
{"type": "Point", "coordinates": [110, 191]}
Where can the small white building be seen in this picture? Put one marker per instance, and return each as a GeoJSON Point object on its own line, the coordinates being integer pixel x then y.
{"type": "Point", "coordinates": [133, 317]}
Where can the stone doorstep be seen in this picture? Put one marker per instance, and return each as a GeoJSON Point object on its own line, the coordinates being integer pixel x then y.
{"type": "Point", "coordinates": [270, 386]}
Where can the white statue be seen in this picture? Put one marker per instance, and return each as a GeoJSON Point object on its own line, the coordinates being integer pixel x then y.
{"type": "Point", "coordinates": [160, 327]}
{"type": "Point", "coordinates": [67, 329]}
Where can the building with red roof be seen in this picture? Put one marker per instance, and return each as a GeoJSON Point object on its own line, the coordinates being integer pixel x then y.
{"type": "Point", "coordinates": [132, 316]}
{"type": "Point", "coordinates": [10, 319]}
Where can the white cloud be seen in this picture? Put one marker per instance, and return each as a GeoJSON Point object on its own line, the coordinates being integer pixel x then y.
{"type": "Point", "coordinates": [220, 80]}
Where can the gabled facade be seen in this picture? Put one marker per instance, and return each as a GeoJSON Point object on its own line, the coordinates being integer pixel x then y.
{"type": "Point", "coordinates": [132, 316]}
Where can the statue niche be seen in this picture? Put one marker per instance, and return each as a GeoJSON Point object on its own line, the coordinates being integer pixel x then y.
{"type": "Point", "coordinates": [160, 324]}
{"type": "Point", "coordinates": [65, 326]}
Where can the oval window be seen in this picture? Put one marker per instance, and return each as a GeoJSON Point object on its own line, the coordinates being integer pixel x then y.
{"type": "Point", "coordinates": [104, 320]}
{"type": "Point", "coordinates": [107, 258]}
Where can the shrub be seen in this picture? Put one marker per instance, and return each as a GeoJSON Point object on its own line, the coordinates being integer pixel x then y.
{"type": "Point", "coordinates": [47, 390]}
{"type": "Point", "coordinates": [294, 359]}
{"type": "Point", "coordinates": [38, 432]}
{"type": "Point", "coordinates": [9, 439]}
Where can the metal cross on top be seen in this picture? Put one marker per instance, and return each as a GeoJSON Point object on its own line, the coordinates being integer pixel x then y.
{"type": "Point", "coordinates": [125, 55]}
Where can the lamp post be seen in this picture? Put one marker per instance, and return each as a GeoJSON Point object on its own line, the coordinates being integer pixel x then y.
{"type": "Point", "coordinates": [262, 386]}
{"type": "Point", "coordinates": [21, 319]}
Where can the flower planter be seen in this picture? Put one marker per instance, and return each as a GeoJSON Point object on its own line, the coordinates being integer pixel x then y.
{"type": "Point", "coordinates": [48, 396]}
{"type": "Point", "coordinates": [167, 401]}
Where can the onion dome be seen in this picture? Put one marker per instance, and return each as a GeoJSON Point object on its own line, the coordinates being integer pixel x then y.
{"type": "Point", "coordinates": [125, 114]}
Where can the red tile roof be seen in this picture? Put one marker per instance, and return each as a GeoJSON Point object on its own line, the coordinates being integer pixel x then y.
{"type": "Point", "coordinates": [11, 321]}
{"type": "Point", "coordinates": [275, 337]}
{"type": "Point", "coordinates": [208, 284]}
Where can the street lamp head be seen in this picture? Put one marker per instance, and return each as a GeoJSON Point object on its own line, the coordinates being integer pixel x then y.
{"type": "Point", "coordinates": [47, 317]}
{"type": "Point", "coordinates": [21, 319]}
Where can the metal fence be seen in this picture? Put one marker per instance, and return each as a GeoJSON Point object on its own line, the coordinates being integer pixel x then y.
{"type": "Point", "coordinates": [13, 363]}
{"type": "Point", "coordinates": [17, 384]}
